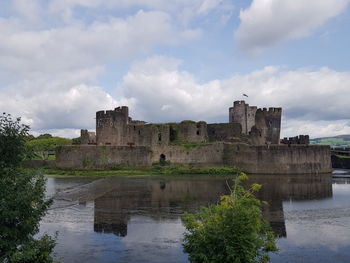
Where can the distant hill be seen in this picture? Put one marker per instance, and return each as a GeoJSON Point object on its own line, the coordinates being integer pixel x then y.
{"type": "Point", "coordinates": [335, 141]}
{"type": "Point", "coordinates": [345, 137]}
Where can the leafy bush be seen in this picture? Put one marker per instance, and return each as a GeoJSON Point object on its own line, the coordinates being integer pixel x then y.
{"type": "Point", "coordinates": [22, 199]}
{"type": "Point", "coordinates": [12, 141]}
{"type": "Point", "coordinates": [76, 140]}
{"type": "Point", "coordinates": [232, 231]}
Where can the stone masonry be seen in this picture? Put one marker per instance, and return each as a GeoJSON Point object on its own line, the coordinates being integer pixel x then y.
{"type": "Point", "coordinates": [247, 124]}
{"type": "Point", "coordinates": [249, 141]}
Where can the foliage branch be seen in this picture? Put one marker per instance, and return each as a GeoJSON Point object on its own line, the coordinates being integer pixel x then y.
{"type": "Point", "coordinates": [231, 231]}
{"type": "Point", "coordinates": [22, 199]}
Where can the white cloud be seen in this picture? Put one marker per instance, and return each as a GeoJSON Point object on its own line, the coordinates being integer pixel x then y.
{"type": "Point", "coordinates": [268, 22]}
{"type": "Point", "coordinates": [61, 109]}
{"type": "Point", "coordinates": [31, 10]}
{"type": "Point", "coordinates": [183, 10]}
{"type": "Point", "coordinates": [49, 66]}
{"type": "Point", "coordinates": [53, 52]}
{"type": "Point", "coordinates": [69, 47]}
{"type": "Point", "coordinates": [314, 102]}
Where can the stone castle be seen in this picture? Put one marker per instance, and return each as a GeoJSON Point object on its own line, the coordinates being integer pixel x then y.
{"type": "Point", "coordinates": [246, 124]}
{"type": "Point", "coordinates": [249, 141]}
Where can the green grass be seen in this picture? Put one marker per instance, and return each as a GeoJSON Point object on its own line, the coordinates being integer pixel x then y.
{"type": "Point", "coordinates": [343, 156]}
{"type": "Point", "coordinates": [140, 171]}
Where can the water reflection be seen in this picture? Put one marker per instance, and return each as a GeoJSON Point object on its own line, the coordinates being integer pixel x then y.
{"type": "Point", "coordinates": [139, 220]}
{"type": "Point", "coordinates": [277, 189]}
{"type": "Point", "coordinates": [158, 199]}
{"type": "Point", "coordinates": [117, 200]}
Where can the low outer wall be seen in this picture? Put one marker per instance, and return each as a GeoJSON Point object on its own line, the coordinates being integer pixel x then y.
{"type": "Point", "coordinates": [278, 159]}
{"type": "Point", "coordinates": [38, 163]}
{"type": "Point", "coordinates": [341, 163]}
{"type": "Point", "coordinates": [92, 156]}
{"type": "Point", "coordinates": [211, 154]}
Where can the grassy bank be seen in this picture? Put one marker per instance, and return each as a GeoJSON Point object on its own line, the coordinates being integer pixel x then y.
{"type": "Point", "coordinates": [145, 171]}
{"type": "Point", "coordinates": [343, 156]}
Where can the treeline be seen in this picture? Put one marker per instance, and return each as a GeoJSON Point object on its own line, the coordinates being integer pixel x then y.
{"type": "Point", "coordinates": [38, 148]}
{"type": "Point", "coordinates": [47, 142]}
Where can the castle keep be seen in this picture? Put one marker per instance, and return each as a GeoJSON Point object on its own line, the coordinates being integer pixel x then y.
{"type": "Point", "coordinates": [249, 141]}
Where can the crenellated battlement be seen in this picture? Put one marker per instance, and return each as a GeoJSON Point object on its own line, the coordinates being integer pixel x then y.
{"type": "Point", "coordinates": [239, 102]}
{"type": "Point", "coordinates": [271, 110]}
{"type": "Point", "coordinates": [301, 139]}
{"type": "Point", "coordinates": [124, 110]}
{"type": "Point", "coordinates": [118, 115]}
{"type": "Point", "coordinates": [104, 114]}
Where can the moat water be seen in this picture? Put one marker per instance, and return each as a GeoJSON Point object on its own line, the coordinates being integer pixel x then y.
{"type": "Point", "coordinates": [139, 220]}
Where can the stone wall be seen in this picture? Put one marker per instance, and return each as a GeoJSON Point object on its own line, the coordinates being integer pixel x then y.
{"type": "Point", "coordinates": [340, 163]}
{"type": "Point", "coordinates": [111, 126]}
{"type": "Point", "coordinates": [267, 126]}
{"type": "Point", "coordinates": [278, 159]}
{"type": "Point", "coordinates": [210, 154]}
{"type": "Point", "coordinates": [189, 131]}
{"type": "Point", "coordinates": [273, 159]}
{"type": "Point", "coordinates": [118, 129]}
{"type": "Point", "coordinates": [147, 135]}
{"type": "Point", "coordinates": [87, 137]}
{"type": "Point", "coordinates": [91, 156]}
{"type": "Point", "coordinates": [301, 139]}
{"type": "Point", "coordinates": [224, 132]}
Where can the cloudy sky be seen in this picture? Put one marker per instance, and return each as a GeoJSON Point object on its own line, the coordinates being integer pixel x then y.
{"type": "Point", "coordinates": [169, 60]}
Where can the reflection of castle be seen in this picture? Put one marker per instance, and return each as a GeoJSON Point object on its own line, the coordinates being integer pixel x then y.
{"type": "Point", "coordinates": [250, 141]}
{"type": "Point", "coordinates": [152, 198]}
{"type": "Point", "coordinates": [170, 198]}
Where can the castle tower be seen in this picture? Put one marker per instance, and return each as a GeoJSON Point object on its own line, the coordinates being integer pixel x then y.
{"type": "Point", "coordinates": [87, 137]}
{"type": "Point", "coordinates": [243, 114]}
{"type": "Point", "coordinates": [111, 126]}
{"type": "Point", "coordinates": [267, 126]}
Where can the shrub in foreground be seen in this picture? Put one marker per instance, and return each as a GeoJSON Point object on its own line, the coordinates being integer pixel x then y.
{"type": "Point", "coordinates": [22, 200]}
{"type": "Point", "coordinates": [231, 231]}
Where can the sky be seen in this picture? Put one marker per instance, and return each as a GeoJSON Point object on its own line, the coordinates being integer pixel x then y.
{"type": "Point", "coordinates": [172, 60]}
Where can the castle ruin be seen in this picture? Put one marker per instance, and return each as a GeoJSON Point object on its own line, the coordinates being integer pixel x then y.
{"type": "Point", "coordinates": [247, 124]}
{"type": "Point", "coordinates": [249, 141]}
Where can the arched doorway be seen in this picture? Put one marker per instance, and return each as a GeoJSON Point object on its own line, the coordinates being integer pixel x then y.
{"type": "Point", "coordinates": [162, 158]}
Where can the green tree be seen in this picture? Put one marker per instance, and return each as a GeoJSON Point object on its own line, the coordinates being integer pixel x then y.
{"type": "Point", "coordinates": [44, 136]}
{"type": "Point", "coordinates": [22, 199]}
{"type": "Point", "coordinates": [231, 231]}
{"type": "Point", "coordinates": [47, 144]}
{"type": "Point", "coordinates": [76, 140]}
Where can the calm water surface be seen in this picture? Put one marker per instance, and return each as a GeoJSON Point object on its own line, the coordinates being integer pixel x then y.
{"type": "Point", "coordinates": [139, 220]}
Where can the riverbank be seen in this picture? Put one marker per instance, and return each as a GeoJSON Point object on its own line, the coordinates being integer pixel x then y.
{"type": "Point", "coordinates": [144, 171]}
